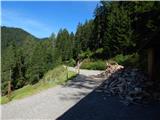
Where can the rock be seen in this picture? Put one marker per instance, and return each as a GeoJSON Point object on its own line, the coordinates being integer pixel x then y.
{"type": "Point", "coordinates": [138, 89]}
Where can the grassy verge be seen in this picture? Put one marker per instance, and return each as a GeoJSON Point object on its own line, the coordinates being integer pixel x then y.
{"type": "Point", "coordinates": [51, 78]}
{"type": "Point", "coordinates": [94, 65]}
{"type": "Point", "coordinates": [130, 60]}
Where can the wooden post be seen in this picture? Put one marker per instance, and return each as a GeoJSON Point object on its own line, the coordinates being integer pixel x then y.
{"type": "Point", "coordinates": [67, 72]}
{"type": "Point", "coordinates": [9, 90]}
{"type": "Point", "coordinates": [151, 61]}
{"type": "Point", "coordinates": [9, 86]}
{"type": "Point", "coordinates": [78, 66]}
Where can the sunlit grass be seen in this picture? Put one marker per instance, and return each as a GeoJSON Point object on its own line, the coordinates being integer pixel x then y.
{"type": "Point", "coordinates": [93, 65]}
{"type": "Point", "coordinates": [51, 78]}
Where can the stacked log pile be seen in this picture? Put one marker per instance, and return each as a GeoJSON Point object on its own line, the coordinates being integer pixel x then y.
{"type": "Point", "coordinates": [131, 85]}
{"type": "Point", "coordinates": [109, 71]}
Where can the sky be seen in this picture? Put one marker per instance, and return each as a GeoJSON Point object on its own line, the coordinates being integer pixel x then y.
{"type": "Point", "coordinates": [44, 18]}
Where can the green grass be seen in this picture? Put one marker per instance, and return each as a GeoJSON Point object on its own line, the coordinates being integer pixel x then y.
{"type": "Point", "coordinates": [94, 65]}
{"type": "Point", "coordinates": [131, 60]}
{"type": "Point", "coordinates": [51, 78]}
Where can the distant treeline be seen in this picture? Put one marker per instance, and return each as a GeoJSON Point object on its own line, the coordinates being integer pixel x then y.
{"type": "Point", "coordinates": [117, 28]}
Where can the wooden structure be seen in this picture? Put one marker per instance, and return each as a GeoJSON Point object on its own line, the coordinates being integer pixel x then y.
{"type": "Point", "coordinates": [153, 59]}
{"type": "Point", "coordinates": [9, 90]}
{"type": "Point", "coordinates": [150, 39]}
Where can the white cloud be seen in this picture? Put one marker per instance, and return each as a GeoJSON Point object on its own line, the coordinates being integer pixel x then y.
{"type": "Point", "coordinates": [16, 19]}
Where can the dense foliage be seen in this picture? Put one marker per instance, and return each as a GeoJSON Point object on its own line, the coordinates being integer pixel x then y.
{"type": "Point", "coordinates": [25, 58]}
{"type": "Point", "coordinates": [93, 64]}
{"type": "Point", "coordinates": [117, 31]}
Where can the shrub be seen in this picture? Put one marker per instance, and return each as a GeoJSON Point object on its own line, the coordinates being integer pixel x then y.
{"type": "Point", "coordinates": [71, 63]}
{"type": "Point", "coordinates": [93, 65]}
{"type": "Point", "coordinates": [131, 60]}
{"type": "Point", "coordinates": [86, 54]}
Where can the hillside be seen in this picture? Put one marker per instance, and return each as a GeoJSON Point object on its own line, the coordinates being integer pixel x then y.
{"type": "Point", "coordinates": [25, 58]}
{"type": "Point", "coordinates": [15, 35]}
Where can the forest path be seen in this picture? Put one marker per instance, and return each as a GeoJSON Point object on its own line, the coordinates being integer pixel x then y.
{"type": "Point", "coordinates": [53, 102]}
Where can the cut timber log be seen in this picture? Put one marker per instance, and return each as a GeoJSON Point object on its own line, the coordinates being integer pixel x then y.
{"type": "Point", "coordinates": [131, 85]}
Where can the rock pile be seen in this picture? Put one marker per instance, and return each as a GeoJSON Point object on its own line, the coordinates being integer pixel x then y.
{"type": "Point", "coordinates": [131, 85]}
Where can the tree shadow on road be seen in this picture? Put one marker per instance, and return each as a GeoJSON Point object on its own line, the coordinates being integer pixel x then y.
{"type": "Point", "coordinates": [99, 106]}
{"type": "Point", "coordinates": [82, 84]}
{"type": "Point", "coordinates": [82, 81]}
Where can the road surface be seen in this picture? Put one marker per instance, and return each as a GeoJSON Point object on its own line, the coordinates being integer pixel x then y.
{"type": "Point", "coordinates": [51, 103]}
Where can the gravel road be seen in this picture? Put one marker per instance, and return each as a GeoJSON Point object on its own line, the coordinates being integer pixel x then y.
{"type": "Point", "coordinates": [52, 103]}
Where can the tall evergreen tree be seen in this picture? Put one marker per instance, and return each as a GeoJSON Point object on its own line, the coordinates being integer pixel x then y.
{"type": "Point", "coordinates": [64, 44]}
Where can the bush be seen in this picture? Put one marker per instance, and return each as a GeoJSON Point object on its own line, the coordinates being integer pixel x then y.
{"type": "Point", "coordinates": [93, 65]}
{"type": "Point", "coordinates": [71, 63]}
{"type": "Point", "coordinates": [86, 54]}
{"type": "Point", "coordinates": [131, 60]}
